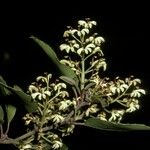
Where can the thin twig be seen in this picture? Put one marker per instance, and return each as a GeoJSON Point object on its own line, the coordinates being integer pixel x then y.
{"type": "Point", "coordinates": [18, 139]}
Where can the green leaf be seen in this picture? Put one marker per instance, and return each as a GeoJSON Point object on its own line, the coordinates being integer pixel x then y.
{"type": "Point", "coordinates": [4, 90]}
{"type": "Point", "coordinates": [89, 86]}
{"type": "Point", "coordinates": [11, 111]}
{"type": "Point", "coordinates": [65, 70]}
{"type": "Point", "coordinates": [68, 80]}
{"type": "Point", "coordinates": [71, 82]}
{"type": "Point", "coordinates": [1, 115]}
{"type": "Point", "coordinates": [26, 99]}
{"type": "Point", "coordinates": [105, 125]}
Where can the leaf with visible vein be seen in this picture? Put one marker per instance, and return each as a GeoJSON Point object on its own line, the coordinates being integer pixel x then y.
{"type": "Point", "coordinates": [110, 126]}
{"type": "Point", "coordinates": [65, 70]}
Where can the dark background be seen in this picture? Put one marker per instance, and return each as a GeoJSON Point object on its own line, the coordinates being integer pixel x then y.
{"type": "Point", "coordinates": [124, 26]}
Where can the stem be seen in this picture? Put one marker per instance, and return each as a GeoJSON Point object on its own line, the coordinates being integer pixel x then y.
{"type": "Point", "coordinates": [78, 123]}
{"type": "Point", "coordinates": [9, 141]}
{"type": "Point", "coordinates": [24, 136]}
{"type": "Point", "coordinates": [89, 69]}
{"type": "Point", "coordinates": [32, 133]}
{"type": "Point", "coordinates": [117, 98]}
{"type": "Point", "coordinates": [8, 124]}
{"type": "Point", "coordinates": [72, 112]}
{"type": "Point", "coordinates": [89, 56]}
{"type": "Point", "coordinates": [39, 109]}
{"type": "Point", "coordinates": [54, 97]}
{"type": "Point", "coordinates": [107, 111]}
{"type": "Point", "coordinates": [82, 73]}
{"type": "Point", "coordinates": [43, 116]}
{"type": "Point", "coordinates": [47, 140]}
{"type": "Point", "coordinates": [1, 131]}
{"type": "Point", "coordinates": [121, 103]}
{"type": "Point", "coordinates": [76, 39]}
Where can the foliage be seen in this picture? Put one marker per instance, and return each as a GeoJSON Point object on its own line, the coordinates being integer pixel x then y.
{"type": "Point", "coordinates": [81, 96]}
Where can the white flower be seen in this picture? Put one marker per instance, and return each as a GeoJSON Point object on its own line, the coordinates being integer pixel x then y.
{"type": "Point", "coordinates": [70, 128]}
{"type": "Point", "coordinates": [83, 23]}
{"type": "Point", "coordinates": [79, 33]}
{"type": "Point", "coordinates": [67, 33]}
{"type": "Point", "coordinates": [65, 47]}
{"type": "Point", "coordinates": [91, 23]}
{"type": "Point", "coordinates": [134, 105]}
{"type": "Point", "coordinates": [80, 50]}
{"type": "Point", "coordinates": [89, 48]}
{"type": "Point", "coordinates": [33, 88]}
{"type": "Point", "coordinates": [53, 136]}
{"type": "Point", "coordinates": [90, 39]}
{"type": "Point", "coordinates": [98, 49]}
{"type": "Point", "coordinates": [57, 144]}
{"type": "Point", "coordinates": [93, 109]}
{"type": "Point", "coordinates": [99, 40]}
{"type": "Point", "coordinates": [113, 89]}
{"type": "Point", "coordinates": [64, 94]}
{"type": "Point", "coordinates": [138, 92]}
{"type": "Point", "coordinates": [27, 122]}
{"type": "Point", "coordinates": [64, 104]}
{"type": "Point", "coordinates": [73, 31]}
{"type": "Point", "coordinates": [57, 118]}
{"type": "Point", "coordinates": [41, 95]}
{"type": "Point", "coordinates": [116, 115]}
{"type": "Point", "coordinates": [28, 146]}
{"type": "Point", "coordinates": [136, 81]}
{"type": "Point", "coordinates": [76, 45]}
{"type": "Point", "coordinates": [96, 79]}
{"type": "Point", "coordinates": [43, 79]}
{"type": "Point", "coordinates": [102, 116]}
{"type": "Point", "coordinates": [59, 86]}
{"type": "Point", "coordinates": [85, 31]}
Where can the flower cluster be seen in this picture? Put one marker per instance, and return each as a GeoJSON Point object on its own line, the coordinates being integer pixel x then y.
{"type": "Point", "coordinates": [60, 109]}
{"type": "Point", "coordinates": [81, 41]}
{"type": "Point", "coordinates": [53, 107]}
{"type": "Point", "coordinates": [124, 94]}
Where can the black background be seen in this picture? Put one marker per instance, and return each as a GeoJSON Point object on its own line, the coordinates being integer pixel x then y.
{"type": "Point", "coordinates": [125, 27]}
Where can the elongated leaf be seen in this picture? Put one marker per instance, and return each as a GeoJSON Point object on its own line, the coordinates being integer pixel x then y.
{"type": "Point", "coordinates": [1, 115]}
{"type": "Point", "coordinates": [68, 80]}
{"type": "Point", "coordinates": [47, 49]}
{"type": "Point", "coordinates": [65, 70]}
{"type": "Point", "coordinates": [89, 86]}
{"type": "Point", "coordinates": [25, 98]}
{"type": "Point", "coordinates": [4, 90]}
{"type": "Point", "coordinates": [11, 111]}
{"type": "Point", "coordinates": [105, 125]}
{"type": "Point", "coordinates": [71, 82]}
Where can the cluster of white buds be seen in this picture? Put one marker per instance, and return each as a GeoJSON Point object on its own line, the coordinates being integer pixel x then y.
{"type": "Point", "coordinates": [53, 107]}
{"type": "Point", "coordinates": [93, 96]}
{"type": "Point", "coordinates": [82, 41]}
